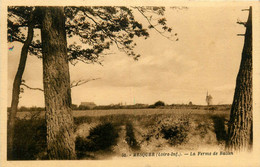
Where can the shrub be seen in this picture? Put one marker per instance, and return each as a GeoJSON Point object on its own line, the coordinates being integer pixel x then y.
{"type": "Point", "coordinates": [219, 127]}
{"type": "Point", "coordinates": [213, 108]}
{"type": "Point", "coordinates": [74, 106]}
{"type": "Point", "coordinates": [82, 119]}
{"type": "Point", "coordinates": [130, 137]}
{"type": "Point", "coordinates": [22, 108]}
{"type": "Point", "coordinates": [101, 137]}
{"type": "Point", "coordinates": [81, 107]}
{"type": "Point", "coordinates": [159, 103]}
{"type": "Point", "coordinates": [175, 131]}
{"type": "Point", "coordinates": [29, 139]}
{"type": "Point", "coordinates": [151, 106]}
{"type": "Point", "coordinates": [202, 129]}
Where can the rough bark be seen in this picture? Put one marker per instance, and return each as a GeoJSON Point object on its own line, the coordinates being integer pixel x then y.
{"type": "Point", "coordinates": [240, 130]}
{"type": "Point", "coordinates": [56, 81]}
{"type": "Point", "coordinates": [16, 87]}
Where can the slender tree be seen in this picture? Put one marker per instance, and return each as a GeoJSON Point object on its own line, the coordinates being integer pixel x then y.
{"type": "Point", "coordinates": [17, 83]}
{"type": "Point", "coordinates": [240, 130]}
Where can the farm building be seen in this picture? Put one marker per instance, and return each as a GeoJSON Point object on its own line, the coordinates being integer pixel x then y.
{"type": "Point", "coordinates": [90, 105]}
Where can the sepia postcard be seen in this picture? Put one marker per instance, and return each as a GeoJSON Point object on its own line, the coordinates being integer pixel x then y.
{"type": "Point", "coordinates": [123, 83]}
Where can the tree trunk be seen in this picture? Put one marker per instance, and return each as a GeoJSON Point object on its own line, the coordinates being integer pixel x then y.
{"type": "Point", "coordinates": [16, 88]}
{"type": "Point", "coordinates": [56, 81]}
{"type": "Point", "coordinates": [240, 130]}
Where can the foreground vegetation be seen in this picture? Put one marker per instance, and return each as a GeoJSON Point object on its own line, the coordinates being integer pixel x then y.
{"type": "Point", "coordinates": [102, 134]}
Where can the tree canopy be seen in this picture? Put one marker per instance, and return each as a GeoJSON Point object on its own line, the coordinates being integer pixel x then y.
{"type": "Point", "coordinates": [91, 31]}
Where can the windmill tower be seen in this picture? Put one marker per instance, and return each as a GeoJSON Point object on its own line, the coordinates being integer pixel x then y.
{"type": "Point", "coordinates": [209, 99]}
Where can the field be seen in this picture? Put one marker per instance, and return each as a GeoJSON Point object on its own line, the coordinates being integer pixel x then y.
{"type": "Point", "coordinates": [106, 134]}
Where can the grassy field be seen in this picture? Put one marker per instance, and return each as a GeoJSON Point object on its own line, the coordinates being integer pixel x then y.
{"type": "Point", "coordinates": [102, 134]}
{"type": "Point", "coordinates": [82, 113]}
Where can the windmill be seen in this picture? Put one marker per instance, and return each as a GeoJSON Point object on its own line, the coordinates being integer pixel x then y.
{"type": "Point", "coordinates": [209, 99]}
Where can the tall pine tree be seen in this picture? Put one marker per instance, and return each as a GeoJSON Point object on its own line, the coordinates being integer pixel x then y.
{"type": "Point", "coordinates": [240, 130]}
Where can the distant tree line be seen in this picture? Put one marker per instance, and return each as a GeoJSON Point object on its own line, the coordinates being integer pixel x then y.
{"type": "Point", "coordinates": [23, 108]}
{"type": "Point", "coordinates": [158, 104]}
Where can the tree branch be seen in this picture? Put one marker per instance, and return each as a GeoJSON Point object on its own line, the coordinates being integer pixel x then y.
{"type": "Point", "coordinates": [23, 84]}
{"type": "Point", "coordinates": [153, 26]}
{"type": "Point", "coordinates": [241, 22]}
{"type": "Point", "coordinates": [72, 85]}
{"type": "Point", "coordinates": [81, 82]}
{"type": "Point", "coordinates": [23, 41]}
{"type": "Point", "coordinates": [109, 36]}
{"type": "Point", "coordinates": [240, 34]}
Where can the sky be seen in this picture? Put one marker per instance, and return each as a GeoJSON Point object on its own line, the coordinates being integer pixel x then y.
{"type": "Point", "coordinates": [205, 58]}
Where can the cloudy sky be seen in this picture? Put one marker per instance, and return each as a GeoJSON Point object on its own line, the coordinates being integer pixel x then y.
{"type": "Point", "coordinates": [205, 58]}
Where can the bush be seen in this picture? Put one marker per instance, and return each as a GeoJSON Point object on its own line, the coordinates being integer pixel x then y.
{"type": "Point", "coordinates": [82, 119]}
{"type": "Point", "coordinates": [151, 106]}
{"type": "Point", "coordinates": [33, 108]}
{"type": "Point", "coordinates": [81, 107]}
{"type": "Point", "coordinates": [175, 131]}
{"type": "Point", "coordinates": [29, 139]}
{"type": "Point", "coordinates": [159, 103]}
{"type": "Point", "coordinates": [212, 108]}
{"type": "Point", "coordinates": [219, 127]}
{"type": "Point", "coordinates": [130, 137]}
{"type": "Point", "coordinates": [74, 106]}
{"type": "Point", "coordinates": [102, 137]}
{"type": "Point", "coordinates": [22, 108]}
